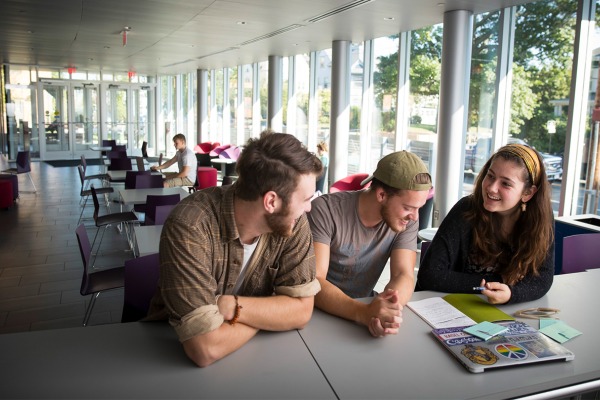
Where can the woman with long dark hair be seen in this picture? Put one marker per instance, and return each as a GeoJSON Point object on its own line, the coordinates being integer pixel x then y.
{"type": "Point", "coordinates": [501, 237]}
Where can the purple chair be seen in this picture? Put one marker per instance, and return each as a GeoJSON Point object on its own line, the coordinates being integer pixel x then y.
{"type": "Point", "coordinates": [153, 201]}
{"type": "Point", "coordinates": [581, 252]}
{"type": "Point", "coordinates": [104, 221]}
{"type": "Point", "coordinates": [140, 283]}
{"type": "Point", "coordinates": [89, 178]}
{"type": "Point", "coordinates": [85, 193]}
{"type": "Point", "coordinates": [148, 181]}
{"type": "Point", "coordinates": [107, 143]}
{"type": "Point", "coordinates": [218, 150]}
{"type": "Point", "coordinates": [140, 163]}
{"type": "Point", "coordinates": [116, 154]}
{"type": "Point", "coordinates": [232, 153]}
{"type": "Point", "coordinates": [23, 167]}
{"type": "Point", "coordinates": [131, 178]}
{"type": "Point", "coordinates": [120, 164]}
{"type": "Point", "coordinates": [95, 283]}
{"type": "Point", "coordinates": [162, 212]}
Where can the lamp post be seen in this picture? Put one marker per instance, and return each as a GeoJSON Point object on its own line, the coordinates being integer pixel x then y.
{"type": "Point", "coordinates": [551, 126]}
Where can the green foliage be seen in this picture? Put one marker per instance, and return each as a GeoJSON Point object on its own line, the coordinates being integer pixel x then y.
{"type": "Point", "coordinates": [542, 62]}
{"type": "Point", "coordinates": [354, 118]}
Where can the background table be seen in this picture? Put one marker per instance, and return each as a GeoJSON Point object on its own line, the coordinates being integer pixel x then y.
{"type": "Point", "coordinates": [414, 365]}
{"type": "Point", "coordinates": [119, 175]}
{"type": "Point", "coordinates": [147, 239]}
{"type": "Point", "coordinates": [138, 196]}
{"type": "Point", "coordinates": [145, 360]}
{"type": "Point", "coordinates": [222, 162]}
{"type": "Point", "coordinates": [427, 234]}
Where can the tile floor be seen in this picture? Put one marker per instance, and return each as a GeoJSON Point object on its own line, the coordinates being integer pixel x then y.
{"type": "Point", "coordinates": [40, 263]}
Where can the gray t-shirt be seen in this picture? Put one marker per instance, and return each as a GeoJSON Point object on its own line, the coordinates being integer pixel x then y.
{"type": "Point", "coordinates": [358, 254]}
{"type": "Point", "coordinates": [185, 159]}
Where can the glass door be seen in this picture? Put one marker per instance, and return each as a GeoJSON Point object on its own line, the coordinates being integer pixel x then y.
{"type": "Point", "coordinates": [86, 121]}
{"type": "Point", "coordinates": [55, 127]}
{"type": "Point", "coordinates": [116, 115]}
{"type": "Point", "coordinates": [70, 119]}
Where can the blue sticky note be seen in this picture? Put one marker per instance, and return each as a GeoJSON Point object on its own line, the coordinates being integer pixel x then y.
{"type": "Point", "coordinates": [485, 330]}
{"type": "Point", "coordinates": [560, 331]}
{"type": "Point", "coordinates": [544, 322]}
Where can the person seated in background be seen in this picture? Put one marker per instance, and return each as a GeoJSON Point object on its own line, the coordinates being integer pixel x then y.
{"type": "Point", "coordinates": [501, 237]}
{"type": "Point", "coordinates": [239, 258]}
{"type": "Point", "coordinates": [323, 153]}
{"type": "Point", "coordinates": [356, 232]}
{"type": "Point", "coordinates": [186, 162]}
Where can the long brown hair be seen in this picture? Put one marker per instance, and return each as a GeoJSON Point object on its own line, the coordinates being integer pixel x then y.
{"type": "Point", "coordinates": [532, 234]}
{"type": "Point", "coordinates": [274, 162]}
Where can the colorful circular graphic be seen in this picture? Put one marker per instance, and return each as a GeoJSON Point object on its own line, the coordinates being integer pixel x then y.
{"type": "Point", "coordinates": [509, 350]}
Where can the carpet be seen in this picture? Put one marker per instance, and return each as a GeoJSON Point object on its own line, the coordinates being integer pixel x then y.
{"type": "Point", "coordinates": [73, 163]}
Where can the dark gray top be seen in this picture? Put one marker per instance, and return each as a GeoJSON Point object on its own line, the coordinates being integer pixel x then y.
{"type": "Point", "coordinates": [445, 265]}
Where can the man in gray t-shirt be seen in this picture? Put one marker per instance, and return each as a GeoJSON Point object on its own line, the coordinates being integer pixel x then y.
{"type": "Point", "coordinates": [356, 232]}
{"type": "Point", "coordinates": [186, 163]}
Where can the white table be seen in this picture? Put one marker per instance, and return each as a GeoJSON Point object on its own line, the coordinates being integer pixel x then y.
{"type": "Point", "coordinates": [427, 234]}
{"type": "Point", "coordinates": [413, 365]}
{"type": "Point", "coordinates": [101, 149]}
{"type": "Point", "coordinates": [144, 360]}
{"type": "Point", "coordinates": [147, 239]}
{"type": "Point", "coordinates": [223, 163]}
{"type": "Point", "coordinates": [138, 196]}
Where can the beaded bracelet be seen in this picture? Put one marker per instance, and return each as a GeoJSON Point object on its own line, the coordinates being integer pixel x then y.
{"type": "Point", "coordinates": [236, 315]}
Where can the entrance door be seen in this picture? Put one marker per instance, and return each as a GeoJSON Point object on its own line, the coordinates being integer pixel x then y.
{"type": "Point", "coordinates": [70, 119]}
{"type": "Point", "coordinates": [130, 116]}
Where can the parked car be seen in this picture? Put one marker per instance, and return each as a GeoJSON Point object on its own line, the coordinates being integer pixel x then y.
{"type": "Point", "coordinates": [553, 166]}
{"type": "Point", "coordinates": [477, 155]}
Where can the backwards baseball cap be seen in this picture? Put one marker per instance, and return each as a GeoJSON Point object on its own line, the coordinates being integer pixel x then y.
{"type": "Point", "coordinates": [399, 170]}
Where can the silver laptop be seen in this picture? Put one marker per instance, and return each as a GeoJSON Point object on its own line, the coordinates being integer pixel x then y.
{"type": "Point", "coordinates": [520, 344]}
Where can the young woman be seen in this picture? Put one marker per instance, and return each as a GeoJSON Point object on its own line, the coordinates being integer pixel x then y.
{"type": "Point", "coordinates": [501, 237]}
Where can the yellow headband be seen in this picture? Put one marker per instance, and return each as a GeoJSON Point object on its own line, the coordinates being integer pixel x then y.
{"type": "Point", "coordinates": [529, 157]}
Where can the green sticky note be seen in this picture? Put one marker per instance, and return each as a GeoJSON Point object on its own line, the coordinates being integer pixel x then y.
{"type": "Point", "coordinates": [544, 322]}
{"type": "Point", "coordinates": [560, 331]}
{"type": "Point", "coordinates": [485, 330]}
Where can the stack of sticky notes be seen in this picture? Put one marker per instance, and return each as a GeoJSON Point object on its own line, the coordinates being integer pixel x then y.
{"type": "Point", "coordinates": [557, 330]}
{"type": "Point", "coordinates": [485, 330]}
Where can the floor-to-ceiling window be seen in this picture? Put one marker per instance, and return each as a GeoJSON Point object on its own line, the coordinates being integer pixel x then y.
{"type": "Point", "coordinates": [248, 86]}
{"type": "Point", "coordinates": [233, 105]}
{"type": "Point", "coordinates": [323, 94]}
{"type": "Point", "coordinates": [384, 98]}
{"type": "Point", "coordinates": [302, 85]}
{"type": "Point", "coordinates": [424, 95]}
{"type": "Point", "coordinates": [543, 54]}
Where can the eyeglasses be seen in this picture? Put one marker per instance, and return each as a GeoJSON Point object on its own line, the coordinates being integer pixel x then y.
{"type": "Point", "coordinates": [537, 313]}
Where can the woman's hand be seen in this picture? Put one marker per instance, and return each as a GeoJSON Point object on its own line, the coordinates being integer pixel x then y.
{"type": "Point", "coordinates": [496, 292]}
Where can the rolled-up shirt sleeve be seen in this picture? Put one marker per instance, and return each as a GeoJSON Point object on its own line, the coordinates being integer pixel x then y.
{"type": "Point", "coordinates": [188, 288]}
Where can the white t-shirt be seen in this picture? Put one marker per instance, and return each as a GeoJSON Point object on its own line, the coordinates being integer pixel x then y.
{"type": "Point", "coordinates": [185, 159]}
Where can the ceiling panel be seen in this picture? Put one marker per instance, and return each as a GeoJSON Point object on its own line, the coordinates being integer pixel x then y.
{"type": "Point", "coordinates": [173, 36]}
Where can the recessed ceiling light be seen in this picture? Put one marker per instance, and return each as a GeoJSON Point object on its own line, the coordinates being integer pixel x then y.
{"type": "Point", "coordinates": [241, 22]}
{"type": "Point", "coordinates": [389, 18]}
{"type": "Point", "coordinates": [441, 4]}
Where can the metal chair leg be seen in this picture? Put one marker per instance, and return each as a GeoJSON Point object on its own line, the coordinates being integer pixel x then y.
{"type": "Point", "coordinates": [88, 311]}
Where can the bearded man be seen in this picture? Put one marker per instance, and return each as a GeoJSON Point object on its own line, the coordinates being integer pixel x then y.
{"type": "Point", "coordinates": [237, 259]}
{"type": "Point", "coordinates": [356, 232]}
